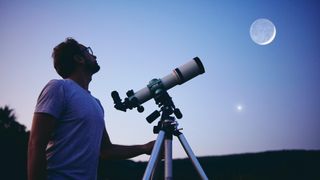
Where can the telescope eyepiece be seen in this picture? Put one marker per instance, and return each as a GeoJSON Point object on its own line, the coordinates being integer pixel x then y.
{"type": "Point", "coordinates": [117, 101]}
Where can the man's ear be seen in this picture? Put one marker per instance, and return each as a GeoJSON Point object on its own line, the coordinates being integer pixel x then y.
{"type": "Point", "coordinates": [79, 59]}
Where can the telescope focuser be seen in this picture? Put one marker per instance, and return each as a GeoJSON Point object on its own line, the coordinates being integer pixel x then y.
{"type": "Point", "coordinates": [129, 103]}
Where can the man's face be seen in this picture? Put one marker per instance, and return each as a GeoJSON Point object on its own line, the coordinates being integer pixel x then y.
{"type": "Point", "coordinates": [91, 63]}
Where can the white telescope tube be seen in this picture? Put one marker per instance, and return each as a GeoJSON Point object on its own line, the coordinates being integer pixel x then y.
{"type": "Point", "coordinates": [178, 76]}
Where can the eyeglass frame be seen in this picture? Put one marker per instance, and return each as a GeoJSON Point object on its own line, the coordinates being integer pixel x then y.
{"type": "Point", "coordinates": [89, 50]}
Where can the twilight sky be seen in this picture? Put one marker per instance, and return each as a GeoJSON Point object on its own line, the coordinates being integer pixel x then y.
{"type": "Point", "coordinates": [277, 85]}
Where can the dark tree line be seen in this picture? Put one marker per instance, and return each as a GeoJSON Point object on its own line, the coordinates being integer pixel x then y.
{"type": "Point", "coordinates": [13, 146]}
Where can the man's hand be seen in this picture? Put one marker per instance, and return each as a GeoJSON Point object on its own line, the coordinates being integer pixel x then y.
{"type": "Point", "coordinates": [118, 152]}
{"type": "Point", "coordinates": [148, 147]}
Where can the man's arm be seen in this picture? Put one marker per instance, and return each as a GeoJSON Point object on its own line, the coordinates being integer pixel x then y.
{"type": "Point", "coordinates": [42, 127]}
{"type": "Point", "coordinates": [113, 151]}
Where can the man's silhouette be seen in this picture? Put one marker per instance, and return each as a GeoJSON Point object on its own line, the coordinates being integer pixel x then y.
{"type": "Point", "coordinates": [68, 133]}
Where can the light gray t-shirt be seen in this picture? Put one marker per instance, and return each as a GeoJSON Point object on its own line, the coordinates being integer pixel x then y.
{"type": "Point", "coordinates": [74, 148]}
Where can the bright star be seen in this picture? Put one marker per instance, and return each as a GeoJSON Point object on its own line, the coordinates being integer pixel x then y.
{"type": "Point", "coordinates": [239, 108]}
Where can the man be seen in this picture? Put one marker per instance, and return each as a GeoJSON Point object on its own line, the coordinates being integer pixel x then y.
{"type": "Point", "coordinates": [68, 132]}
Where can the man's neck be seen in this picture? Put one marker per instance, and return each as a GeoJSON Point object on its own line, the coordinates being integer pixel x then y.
{"type": "Point", "coordinates": [82, 79]}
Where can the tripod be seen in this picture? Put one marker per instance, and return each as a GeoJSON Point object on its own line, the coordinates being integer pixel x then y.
{"type": "Point", "coordinates": [166, 128]}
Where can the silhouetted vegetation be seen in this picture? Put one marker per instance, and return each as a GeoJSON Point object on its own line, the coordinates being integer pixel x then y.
{"type": "Point", "coordinates": [13, 146]}
{"type": "Point", "coordinates": [294, 164]}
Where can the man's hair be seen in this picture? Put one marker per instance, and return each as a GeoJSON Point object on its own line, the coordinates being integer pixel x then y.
{"type": "Point", "coordinates": [63, 57]}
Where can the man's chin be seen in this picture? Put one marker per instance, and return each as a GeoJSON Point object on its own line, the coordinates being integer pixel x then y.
{"type": "Point", "coordinates": [95, 69]}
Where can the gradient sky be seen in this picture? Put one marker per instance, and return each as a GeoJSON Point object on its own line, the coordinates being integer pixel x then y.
{"type": "Point", "coordinates": [277, 85]}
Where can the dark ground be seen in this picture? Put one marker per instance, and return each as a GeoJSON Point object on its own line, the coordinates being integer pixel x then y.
{"type": "Point", "coordinates": [294, 164]}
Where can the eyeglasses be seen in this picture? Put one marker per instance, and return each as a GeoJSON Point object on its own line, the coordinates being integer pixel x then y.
{"type": "Point", "coordinates": [89, 50]}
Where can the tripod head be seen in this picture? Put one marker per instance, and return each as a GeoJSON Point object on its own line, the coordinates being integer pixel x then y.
{"type": "Point", "coordinates": [166, 105]}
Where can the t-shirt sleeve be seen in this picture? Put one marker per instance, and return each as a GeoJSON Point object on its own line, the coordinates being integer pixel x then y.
{"type": "Point", "coordinates": [51, 99]}
{"type": "Point", "coordinates": [99, 103]}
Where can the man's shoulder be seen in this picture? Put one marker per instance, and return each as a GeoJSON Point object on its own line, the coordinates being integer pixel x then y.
{"type": "Point", "coordinates": [53, 82]}
{"type": "Point", "coordinates": [53, 86]}
{"type": "Point", "coordinates": [56, 83]}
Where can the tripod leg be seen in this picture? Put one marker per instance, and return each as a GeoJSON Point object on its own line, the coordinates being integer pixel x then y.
{"type": "Point", "coordinates": [154, 156]}
{"type": "Point", "coordinates": [192, 157]}
{"type": "Point", "coordinates": [168, 157]}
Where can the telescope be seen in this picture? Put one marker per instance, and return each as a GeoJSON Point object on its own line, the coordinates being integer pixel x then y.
{"type": "Point", "coordinates": [167, 126]}
{"type": "Point", "coordinates": [156, 87]}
